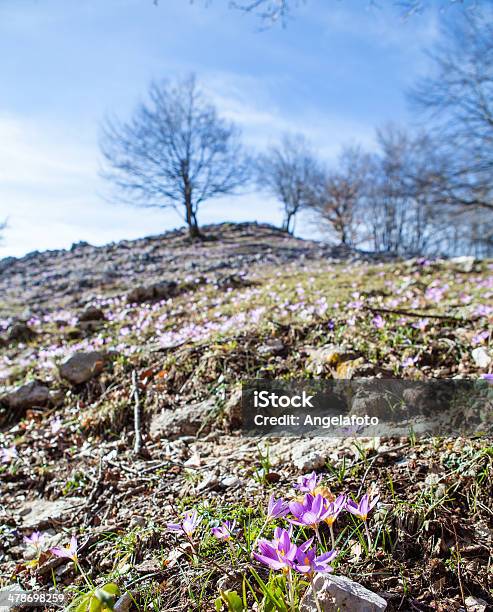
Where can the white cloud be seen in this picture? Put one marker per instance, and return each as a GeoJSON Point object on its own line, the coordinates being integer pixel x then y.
{"type": "Point", "coordinates": [263, 122]}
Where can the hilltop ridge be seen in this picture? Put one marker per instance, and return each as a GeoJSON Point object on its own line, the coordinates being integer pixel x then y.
{"type": "Point", "coordinates": [42, 280]}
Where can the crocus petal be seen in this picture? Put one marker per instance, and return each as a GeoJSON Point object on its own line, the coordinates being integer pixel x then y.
{"type": "Point", "coordinates": [272, 563]}
{"type": "Point", "coordinates": [326, 557]}
{"type": "Point", "coordinates": [373, 502]}
{"type": "Point", "coordinates": [173, 527]}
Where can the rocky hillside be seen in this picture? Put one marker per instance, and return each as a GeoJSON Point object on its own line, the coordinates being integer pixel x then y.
{"type": "Point", "coordinates": [42, 281]}
{"type": "Point", "coordinates": [120, 372]}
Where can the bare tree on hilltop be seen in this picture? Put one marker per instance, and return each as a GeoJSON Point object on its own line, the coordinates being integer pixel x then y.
{"type": "Point", "coordinates": [285, 172]}
{"type": "Point", "coordinates": [174, 152]}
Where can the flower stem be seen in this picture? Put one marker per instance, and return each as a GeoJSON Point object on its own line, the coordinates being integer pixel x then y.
{"type": "Point", "coordinates": [314, 592]}
{"type": "Point", "coordinates": [332, 538]}
{"type": "Point", "coordinates": [81, 571]}
{"type": "Point", "coordinates": [291, 590]}
{"type": "Point", "coordinates": [258, 536]}
{"type": "Point", "coordinates": [368, 536]}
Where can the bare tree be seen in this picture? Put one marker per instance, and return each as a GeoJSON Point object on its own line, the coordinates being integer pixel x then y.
{"type": "Point", "coordinates": [285, 171]}
{"type": "Point", "coordinates": [457, 99]}
{"type": "Point", "coordinates": [336, 196]}
{"type": "Point", "coordinates": [269, 10]}
{"type": "Point", "coordinates": [272, 11]}
{"type": "Point", "coordinates": [174, 152]}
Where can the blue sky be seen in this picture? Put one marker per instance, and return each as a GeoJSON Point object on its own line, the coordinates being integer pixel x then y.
{"type": "Point", "coordinates": [337, 70]}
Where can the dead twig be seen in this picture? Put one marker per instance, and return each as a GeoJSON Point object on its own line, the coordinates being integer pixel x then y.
{"type": "Point", "coordinates": [137, 414]}
{"type": "Point", "coordinates": [418, 315]}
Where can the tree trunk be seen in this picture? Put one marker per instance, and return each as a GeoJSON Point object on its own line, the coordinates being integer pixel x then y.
{"type": "Point", "coordinates": [190, 216]}
{"type": "Point", "coordinates": [286, 226]}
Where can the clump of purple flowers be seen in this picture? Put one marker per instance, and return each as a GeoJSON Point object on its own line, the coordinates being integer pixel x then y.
{"type": "Point", "coordinates": [315, 510]}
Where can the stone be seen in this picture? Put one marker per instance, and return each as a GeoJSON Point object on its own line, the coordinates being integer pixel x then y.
{"type": "Point", "coordinates": [327, 357]}
{"type": "Point", "coordinates": [464, 263]}
{"type": "Point", "coordinates": [232, 410]}
{"type": "Point", "coordinates": [12, 589]}
{"type": "Point", "coordinates": [124, 603]}
{"type": "Point", "coordinates": [139, 295]}
{"type": "Point", "coordinates": [230, 482]}
{"type": "Point", "coordinates": [164, 290]}
{"type": "Point", "coordinates": [481, 357]}
{"type": "Point", "coordinates": [340, 593]}
{"type": "Point", "coordinates": [475, 604]}
{"type": "Point", "coordinates": [31, 395]}
{"type": "Point", "coordinates": [184, 421]}
{"type": "Point", "coordinates": [311, 454]}
{"type": "Point", "coordinates": [159, 291]}
{"type": "Point", "coordinates": [20, 332]}
{"type": "Point", "coordinates": [271, 347]}
{"type": "Point", "coordinates": [81, 367]}
{"type": "Point", "coordinates": [353, 367]}
{"type": "Point", "coordinates": [91, 313]}
{"type": "Point", "coordinates": [41, 512]}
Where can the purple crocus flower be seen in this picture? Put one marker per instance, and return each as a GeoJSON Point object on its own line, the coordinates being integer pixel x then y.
{"type": "Point", "coordinates": [311, 512]}
{"type": "Point", "coordinates": [480, 337]}
{"type": "Point", "coordinates": [487, 377]}
{"type": "Point", "coordinates": [421, 324]}
{"type": "Point", "coordinates": [225, 531]}
{"type": "Point", "coordinates": [56, 425]}
{"type": "Point", "coordinates": [334, 509]}
{"type": "Point", "coordinates": [306, 561]}
{"type": "Point", "coordinates": [189, 524]}
{"type": "Point", "coordinates": [277, 508]}
{"type": "Point", "coordinates": [36, 540]}
{"type": "Point", "coordinates": [362, 509]}
{"type": "Point", "coordinates": [280, 553]}
{"type": "Point", "coordinates": [378, 321]}
{"type": "Point", "coordinates": [409, 362]}
{"type": "Point", "coordinates": [482, 310]}
{"type": "Point", "coordinates": [8, 454]}
{"type": "Point", "coordinates": [69, 552]}
{"type": "Point", "coordinates": [308, 483]}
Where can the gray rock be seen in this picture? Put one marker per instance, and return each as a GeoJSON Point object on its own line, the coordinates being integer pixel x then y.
{"type": "Point", "coordinates": [481, 357]}
{"type": "Point", "coordinates": [140, 294]}
{"type": "Point", "coordinates": [159, 291]}
{"type": "Point", "coordinates": [464, 263]}
{"type": "Point", "coordinates": [311, 454]}
{"type": "Point", "coordinates": [184, 421]}
{"type": "Point", "coordinates": [475, 604]}
{"type": "Point", "coordinates": [230, 482]}
{"type": "Point", "coordinates": [81, 367]}
{"type": "Point", "coordinates": [232, 410]}
{"type": "Point", "coordinates": [20, 332]}
{"type": "Point", "coordinates": [340, 593]}
{"type": "Point", "coordinates": [124, 603]}
{"type": "Point", "coordinates": [271, 347]}
{"type": "Point", "coordinates": [41, 512]}
{"type": "Point", "coordinates": [381, 405]}
{"type": "Point", "coordinates": [11, 589]}
{"type": "Point", "coordinates": [91, 313]}
{"type": "Point", "coordinates": [28, 396]}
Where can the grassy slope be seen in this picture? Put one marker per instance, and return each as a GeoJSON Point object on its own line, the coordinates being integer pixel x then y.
{"type": "Point", "coordinates": [433, 530]}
